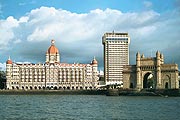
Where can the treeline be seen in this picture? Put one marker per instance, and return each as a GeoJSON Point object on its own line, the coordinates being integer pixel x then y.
{"type": "Point", "coordinates": [2, 80]}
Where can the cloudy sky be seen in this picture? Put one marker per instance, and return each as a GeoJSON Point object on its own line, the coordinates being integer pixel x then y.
{"type": "Point", "coordinates": [77, 26]}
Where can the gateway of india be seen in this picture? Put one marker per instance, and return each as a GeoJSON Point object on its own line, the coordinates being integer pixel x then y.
{"type": "Point", "coordinates": [52, 74]}
{"type": "Point", "coordinates": [151, 73]}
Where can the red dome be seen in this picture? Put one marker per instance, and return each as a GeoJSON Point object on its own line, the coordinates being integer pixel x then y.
{"type": "Point", "coordinates": [52, 49]}
{"type": "Point", "coordinates": [94, 61]}
{"type": "Point", "coordinates": [9, 61]}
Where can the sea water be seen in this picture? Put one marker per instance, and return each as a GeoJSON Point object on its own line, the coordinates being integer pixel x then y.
{"type": "Point", "coordinates": [88, 107]}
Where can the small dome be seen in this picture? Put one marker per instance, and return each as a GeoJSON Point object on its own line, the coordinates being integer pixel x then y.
{"type": "Point", "coordinates": [94, 61]}
{"type": "Point", "coordinates": [52, 49]}
{"type": "Point", "coordinates": [9, 61]}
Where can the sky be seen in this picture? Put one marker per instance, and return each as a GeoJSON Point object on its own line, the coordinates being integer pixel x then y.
{"type": "Point", "coordinates": [77, 26]}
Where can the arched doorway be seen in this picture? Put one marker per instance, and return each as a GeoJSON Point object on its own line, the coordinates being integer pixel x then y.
{"type": "Point", "coordinates": [167, 82]}
{"type": "Point", "coordinates": [149, 81]}
{"type": "Point", "coordinates": [166, 85]}
{"type": "Point", "coordinates": [131, 85]}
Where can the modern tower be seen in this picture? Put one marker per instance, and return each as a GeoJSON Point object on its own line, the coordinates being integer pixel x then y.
{"type": "Point", "coordinates": [116, 54]}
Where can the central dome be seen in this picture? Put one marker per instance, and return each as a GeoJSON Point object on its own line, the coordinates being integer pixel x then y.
{"type": "Point", "coordinates": [52, 49]}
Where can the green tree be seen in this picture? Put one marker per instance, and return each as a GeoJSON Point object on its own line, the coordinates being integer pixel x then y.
{"type": "Point", "coordinates": [2, 80]}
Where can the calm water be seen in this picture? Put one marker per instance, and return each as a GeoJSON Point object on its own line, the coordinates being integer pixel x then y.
{"type": "Point", "coordinates": [77, 107]}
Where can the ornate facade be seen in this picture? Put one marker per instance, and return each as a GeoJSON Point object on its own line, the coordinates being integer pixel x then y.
{"type": "Point", "coordinates": [52, 74]}
{"type": "Point", "coordinates": [151, 73]}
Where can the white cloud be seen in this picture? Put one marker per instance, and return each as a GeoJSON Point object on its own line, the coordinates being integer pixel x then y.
{"type": "Point", "coordinates": [147, 4]}
{"type": "Point", "coordinates": [27, 3]}
{"type": "Point", "coordinates": [78, 36]}
{"type": "Point", "coordinates": [17, 41]}
{"type": "Point", "coordinates": [7, 31]}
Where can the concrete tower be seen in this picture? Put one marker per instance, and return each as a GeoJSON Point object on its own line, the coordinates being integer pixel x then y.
{"type": "Point", "coordinates": [116, 55]}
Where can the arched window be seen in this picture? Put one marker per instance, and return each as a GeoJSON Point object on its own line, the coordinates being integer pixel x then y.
{"type": "Point", "coordinates": [64, 87]}
{"type": "Point", "coordinates": [55, 88]}
{"type": "Point", "coordinates": [30, 88]}
{"type": "Point", "coordinates": [68, 88]}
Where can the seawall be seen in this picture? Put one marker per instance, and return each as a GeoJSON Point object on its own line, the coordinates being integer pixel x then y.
{"type": "Point", "coordinates": [52, 92]}
{"type": "Point", "coordinates": [110, 92]}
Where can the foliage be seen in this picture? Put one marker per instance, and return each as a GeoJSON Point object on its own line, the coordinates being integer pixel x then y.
{"type": "Point", "coordinates": [2, 79]}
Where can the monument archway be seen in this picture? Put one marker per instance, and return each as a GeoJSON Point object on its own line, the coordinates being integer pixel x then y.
{"type": "Point", "coordinates": [150, 72]}
{"type": "Point", "coordinates": [149, 81]}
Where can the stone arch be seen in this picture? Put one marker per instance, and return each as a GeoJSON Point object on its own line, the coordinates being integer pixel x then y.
{"type": "Point", "coordinates": [55, 88]}
{"type": "Point", "coordinates": [68, 87]}
{"type": "Point", "coordinates": [167, 82]}
{"type": "Point", "coordinates": [64, 87]}
{"type": "Point", "coordinates": [149, 80]}
{"type": "Point", "coordinates": [131, 85]}
{"type": "Point", "coordinates": [30, 87]}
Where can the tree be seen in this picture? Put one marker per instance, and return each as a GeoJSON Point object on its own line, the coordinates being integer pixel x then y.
{"type": "Point", "coordinates": [2, 80]}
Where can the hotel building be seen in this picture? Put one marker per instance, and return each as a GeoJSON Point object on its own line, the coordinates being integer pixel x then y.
{"type": "Point", "coordinates": [52, 74]}
{"type": "Point", "coordinates": [116, 55]}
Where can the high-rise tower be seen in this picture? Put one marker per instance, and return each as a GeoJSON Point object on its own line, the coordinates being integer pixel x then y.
{"type": "Point", "coordinates": [116, 54]}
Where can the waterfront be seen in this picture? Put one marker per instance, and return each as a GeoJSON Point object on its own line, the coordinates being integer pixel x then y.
{"type": "Point", "coordinates": [88, 107]}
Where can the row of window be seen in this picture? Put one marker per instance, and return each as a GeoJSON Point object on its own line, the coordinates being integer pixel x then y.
{"type": "Point", "coordinates": [53, 87]}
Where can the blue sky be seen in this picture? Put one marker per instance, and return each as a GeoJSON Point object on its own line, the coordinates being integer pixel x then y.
{"type": "Point", "coordinates": [27, 27]}
{"type": "Point", "coordinates": [18, 8]}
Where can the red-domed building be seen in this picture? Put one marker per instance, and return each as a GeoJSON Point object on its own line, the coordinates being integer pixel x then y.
{"type": "Point", "coordinates": [52, 74]}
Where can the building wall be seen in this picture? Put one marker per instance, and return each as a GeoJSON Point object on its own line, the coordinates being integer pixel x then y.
{"type": "Point", "coordinates": [38, 76]}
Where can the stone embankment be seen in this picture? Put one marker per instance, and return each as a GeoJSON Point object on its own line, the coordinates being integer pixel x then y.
{"type": "Point", "coordinates": [109, 92]}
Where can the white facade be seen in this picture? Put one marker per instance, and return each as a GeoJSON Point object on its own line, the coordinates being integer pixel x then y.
{"type": "Point", "coordinates": [116, 54]}
{"type": "Point", "coordinates": [52, 74]}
